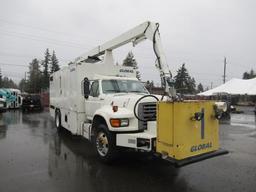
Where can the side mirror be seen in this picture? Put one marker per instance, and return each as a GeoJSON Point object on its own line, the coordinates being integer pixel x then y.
{"type": "Point", "coordinates": [86, 88]}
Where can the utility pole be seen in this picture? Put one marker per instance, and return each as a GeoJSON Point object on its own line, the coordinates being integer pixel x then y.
{"type": "Point", "coordinates": [211, 85]}
{"type": "Point", "coordinates": [224, 76]}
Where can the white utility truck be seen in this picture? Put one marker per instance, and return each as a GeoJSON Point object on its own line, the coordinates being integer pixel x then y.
{"type": "Point", "coordinates": [107, 105]}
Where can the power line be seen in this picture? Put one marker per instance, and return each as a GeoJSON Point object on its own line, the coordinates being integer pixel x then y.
{"type": "Point", "coordinates": [14, 55]}
{"type": "Point", "coordinates": [211, 74]}
{"type": "Point", "coordinates": [14, 72]}
{"type": "Point", "coordinates": [26, 56]}
{"type": "Point", "coordinates": [45, 40]}
{"type": "Point", "coordinates": [13, 77]}
{"type": "Point", "coordinates": [11, 64]}
{"type": "Point", "coordinates": [40, 28]}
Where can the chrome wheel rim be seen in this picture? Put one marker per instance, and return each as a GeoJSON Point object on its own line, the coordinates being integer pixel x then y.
{"type": "Point", "coordinates": [102, 144]}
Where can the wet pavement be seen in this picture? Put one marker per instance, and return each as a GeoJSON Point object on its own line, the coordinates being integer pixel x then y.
{"type": "Point", "coordinates": [35, 157]}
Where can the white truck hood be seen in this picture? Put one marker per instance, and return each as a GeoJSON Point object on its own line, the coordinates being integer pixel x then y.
{"type": "Point", "coordinates": [126, 100]}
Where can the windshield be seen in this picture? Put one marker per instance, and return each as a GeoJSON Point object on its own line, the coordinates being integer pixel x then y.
{"type": "Point", "coordinates": [118, 86]}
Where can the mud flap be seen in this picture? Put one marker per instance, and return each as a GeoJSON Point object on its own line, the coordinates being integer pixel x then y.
{"type": "Point", "coordinates": [197, 158]}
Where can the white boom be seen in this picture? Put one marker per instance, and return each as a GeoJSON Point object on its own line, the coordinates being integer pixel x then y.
{"type": "Point", "coordinates": [146, 30]}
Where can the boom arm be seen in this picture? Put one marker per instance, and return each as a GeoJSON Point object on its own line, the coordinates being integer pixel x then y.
{"type": "Point", "coordinates": [146, 30]}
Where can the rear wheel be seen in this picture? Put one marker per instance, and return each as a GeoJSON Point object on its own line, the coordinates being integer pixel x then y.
{"type": "Point", "coordinates": [105, 145]}
{"type": "Point", "coordinates": [58, 119]}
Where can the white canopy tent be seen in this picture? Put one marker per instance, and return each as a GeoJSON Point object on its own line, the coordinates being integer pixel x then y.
{"type": "Point", "coordinates": [234, 87]}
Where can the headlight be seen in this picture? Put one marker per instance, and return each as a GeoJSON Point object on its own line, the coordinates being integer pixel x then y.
{"type": "Point", "coordinates": [222, 106]}
{"type": "Point", "coordinates": [119, 122]}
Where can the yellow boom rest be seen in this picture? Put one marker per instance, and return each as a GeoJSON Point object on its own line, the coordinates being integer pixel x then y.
{"type": "Point", "coordinates": [186, 129]}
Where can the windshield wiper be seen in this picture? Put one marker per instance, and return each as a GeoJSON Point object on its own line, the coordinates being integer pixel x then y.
{"type": "Point", "coordinates": [115, 91]}
{"type": "Point", "coordinates": [137, 91]}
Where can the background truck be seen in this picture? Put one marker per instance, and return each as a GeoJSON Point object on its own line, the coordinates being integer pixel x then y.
{"type": "Point", "coordinates": [2, 104]}
{"type": "Point", "coordinates": [107, 105]}
{"type": "Point", "coordinates": [31, 102]}
{"type": "Point", "coordinates": [12, 97]}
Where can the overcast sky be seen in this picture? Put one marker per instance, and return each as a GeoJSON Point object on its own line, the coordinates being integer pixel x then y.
{"type": "Point", "coordinates": [196, 32]}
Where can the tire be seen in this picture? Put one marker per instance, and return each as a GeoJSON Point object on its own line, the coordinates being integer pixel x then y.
{"type": "Point", "coordinates": [58, 120]}
{"type": "Point", "coordinates": [105, 144]}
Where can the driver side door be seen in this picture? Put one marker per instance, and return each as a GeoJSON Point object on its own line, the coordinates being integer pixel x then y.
{"type": "Point", "coordinates": [94, 101]}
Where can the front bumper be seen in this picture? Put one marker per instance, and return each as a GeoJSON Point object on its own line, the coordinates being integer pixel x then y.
{"type": "Point", "coordinates": [32, 107]}
{"type": "Point", "coordinates": [197, 158]}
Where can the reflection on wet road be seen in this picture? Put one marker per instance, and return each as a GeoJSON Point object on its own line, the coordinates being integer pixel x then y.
{"type": "Point", "coordinates": [35, 157]}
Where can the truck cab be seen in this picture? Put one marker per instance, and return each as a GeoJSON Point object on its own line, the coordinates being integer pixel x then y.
{"type": "Point", "coordinates": [114, 98]}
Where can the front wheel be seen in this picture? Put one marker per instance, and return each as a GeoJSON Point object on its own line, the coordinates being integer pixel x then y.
{"type": "Point", "coordinates": [105, 144]}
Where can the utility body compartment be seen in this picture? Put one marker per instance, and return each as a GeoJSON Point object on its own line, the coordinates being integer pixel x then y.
{"type": "Point", "coordinates": [186, 129]}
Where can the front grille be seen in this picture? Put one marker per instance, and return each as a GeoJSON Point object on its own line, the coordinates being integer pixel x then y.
{"type": "Point", "coordinates": [146, 112]}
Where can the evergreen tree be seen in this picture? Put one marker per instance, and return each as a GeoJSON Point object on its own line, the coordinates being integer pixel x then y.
{"type": "Point", "coordinates": [130, 61]}
{"type": "Point", "coordinates": [8, 83]}
{"type": "Point", "coordinates": [246, 75]}
{"type": "Point", "coordinates": [249, 75]}
{"type": "Point", "coordinates": [252, 74]}
{"type": "Point", "coordinates": [184, 84]}
{"type": "Point", "coordinates": [152, 84]}
{"type": "Point", "coordinates": [34, 83]}
{"type": "Point", "coordinates": [54, 63]}
{"type": "Point", "coordinates": [23, 86]}
{"type": "Point", "coordinates": [200, 88]}
{"type": "Point", "coordinates": [46, 62]}
{"type": "Point", "coordinates": [149, 85]}
{"type": "Point", "coordinates": [191, 85]}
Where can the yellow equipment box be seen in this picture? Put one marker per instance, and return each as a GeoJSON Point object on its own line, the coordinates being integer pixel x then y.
{"type": "Point", "coordinates": [186, 129]}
